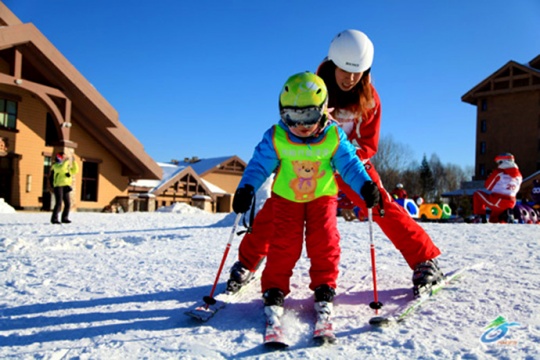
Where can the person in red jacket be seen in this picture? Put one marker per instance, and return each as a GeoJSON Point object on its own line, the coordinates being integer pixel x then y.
{"type": "Point", "coordinates": [399, 192]}
{"type": "Point", "coordinates": [357, 108]}
{"type": "Point", "coordinates": [502, 184]}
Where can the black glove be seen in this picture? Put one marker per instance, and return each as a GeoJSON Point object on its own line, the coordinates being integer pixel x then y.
{"type": "Point", "coordinates": [370, 193]}
{"type": "Point", "coordinates": [243, 198]}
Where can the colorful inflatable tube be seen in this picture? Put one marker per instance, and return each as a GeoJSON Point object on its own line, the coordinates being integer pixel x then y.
{"type": "Point", "coordinates": [410, 206]}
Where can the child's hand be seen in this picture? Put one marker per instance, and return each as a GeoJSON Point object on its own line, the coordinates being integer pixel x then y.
{"type": "Point", "coordinates": [370, 193]}
{"type": "Point", "coordinates": [243, 198]}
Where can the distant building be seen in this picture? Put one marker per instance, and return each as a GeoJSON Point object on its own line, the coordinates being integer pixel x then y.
{"type": "Point", "coordinates": [47, 106]}
{"type": "Point", "coordinates": [507, 120]}
{"type": "Point", "coordinates": [508, 117]}
{"type": "Point", "coordinates": [208, 184]}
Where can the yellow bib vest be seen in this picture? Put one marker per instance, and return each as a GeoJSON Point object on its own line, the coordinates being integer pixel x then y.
{"type": "Point", "coordinates": [305, 172]}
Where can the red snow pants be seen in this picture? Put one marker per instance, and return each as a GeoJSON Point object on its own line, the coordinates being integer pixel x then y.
{"type": "Point", "coordinates": [496, 202]}
{"type": "Point", "coordinates": [403, 231]}
{"type": "Point", "coordinates": [315, 221]}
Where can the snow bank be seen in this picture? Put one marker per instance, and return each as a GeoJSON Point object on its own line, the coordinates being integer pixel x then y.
{"type": "Point", "coordinates": [180, 208]}
{"type": "Point", "coordinates": [5, 208]}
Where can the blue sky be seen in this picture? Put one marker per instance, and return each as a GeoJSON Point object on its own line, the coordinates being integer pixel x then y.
{"type": "Point", "coordinates": [202, 78]}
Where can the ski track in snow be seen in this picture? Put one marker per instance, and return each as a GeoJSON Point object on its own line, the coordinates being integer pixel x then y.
{"type": "Point", "coordinates": [115, 286]}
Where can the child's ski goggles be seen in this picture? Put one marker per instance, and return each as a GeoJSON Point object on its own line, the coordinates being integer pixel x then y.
{"type": "Point", "coordinates": [307, 117]}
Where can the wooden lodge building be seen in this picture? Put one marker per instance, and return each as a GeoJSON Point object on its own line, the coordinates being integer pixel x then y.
{"type": "Point", "coordinates": [508, 117]}
{"type": "Point", "coordinates": [204, 183]}
{"type": "Point", "coordinates": [507, 120]}
{"type": "Point", "coordinates": [47, 106]}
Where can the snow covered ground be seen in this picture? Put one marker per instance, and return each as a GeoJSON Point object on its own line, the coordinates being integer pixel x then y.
{"type": "Point", "coordinates": [115, 286]}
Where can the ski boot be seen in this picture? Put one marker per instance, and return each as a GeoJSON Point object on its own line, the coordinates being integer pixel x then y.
{"type": "Point", "coordinates": [507, 217]}
{"type": "Point", "coordinates": [324, 331]}
{"type": "Point", "coordinates": [324, 295]}
{"type": "Point", "coordinates": [273, 297]}
{"type": "Point", "coordinates": [425, 275]}
{"type": "Point", "coordinates": [273, 306]}
{"type": "Point", "coordinates": [273, 311]}
{"type": "Point", "coordinates": [240, 275]}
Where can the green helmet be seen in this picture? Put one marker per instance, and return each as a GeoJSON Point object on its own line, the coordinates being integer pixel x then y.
{"type": "Point", "coordinates": [303, 100]}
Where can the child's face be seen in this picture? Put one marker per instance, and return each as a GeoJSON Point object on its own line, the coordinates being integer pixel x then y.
{"type": "Point", "coordinates": [305, 131]}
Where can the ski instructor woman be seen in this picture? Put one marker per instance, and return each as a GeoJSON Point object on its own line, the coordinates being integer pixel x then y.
{"type": "Point", "coordinates": [357, 108]}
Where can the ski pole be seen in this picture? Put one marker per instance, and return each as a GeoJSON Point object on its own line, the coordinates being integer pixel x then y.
{"type": "Point", "coordinates": [376, 305]}
{"type": "Point", "coordinates": [209, 300]}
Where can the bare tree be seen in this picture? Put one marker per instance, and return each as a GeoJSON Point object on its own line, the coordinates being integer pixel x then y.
{"type": "Point", "coordinates": [391, 160]}
{"type": "Point", "coordinates": [430, 179]}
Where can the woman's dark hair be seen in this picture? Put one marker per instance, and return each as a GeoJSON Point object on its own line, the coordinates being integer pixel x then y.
{"type": "Point", "coordinates": [359, 99]}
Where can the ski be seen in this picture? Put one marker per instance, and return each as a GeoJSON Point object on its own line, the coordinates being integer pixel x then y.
{"type": "Point", "coordinates": [403, 312]}
{"type": "Point", "coordinates": [210, 306]}
{"type": "Point", "coordinates": [273, 333]}
{"type": "Point", "coordinates": [323, 333]}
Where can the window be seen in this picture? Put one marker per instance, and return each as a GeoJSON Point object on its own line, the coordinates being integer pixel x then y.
{"type": "Point", "coordinates": [483, 105]}
{"type": "Point", "coordinates": [482, 147]}
{"type": "Point", "coordinates": [8, 114]}
{"type": "Point", "coordinates": [89, 189]}
{"type": "Point", "coordinates": [483, 126]}
{"type": "Point", "coordinates": [482, 170]}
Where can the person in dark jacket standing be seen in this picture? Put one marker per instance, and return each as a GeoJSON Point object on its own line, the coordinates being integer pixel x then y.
{"type": "Point", "coordinates": [61, 179]}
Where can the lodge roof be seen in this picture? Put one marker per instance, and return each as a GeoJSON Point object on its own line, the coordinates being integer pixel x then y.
{"type": "Point", "coordinates": [511, 77]}
{"type": "Point", "coordinates": [195, 166]}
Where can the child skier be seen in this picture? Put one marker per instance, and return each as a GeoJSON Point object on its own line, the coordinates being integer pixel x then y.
{"type": "Point", "coordinates": [304, 148]}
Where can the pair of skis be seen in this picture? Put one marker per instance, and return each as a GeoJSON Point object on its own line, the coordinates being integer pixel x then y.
{"type": "Point", "coordinates": [323, 332]}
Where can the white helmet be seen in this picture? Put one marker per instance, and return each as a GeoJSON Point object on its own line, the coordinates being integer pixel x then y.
{"type": "Point", "coordinates": [352, 51]}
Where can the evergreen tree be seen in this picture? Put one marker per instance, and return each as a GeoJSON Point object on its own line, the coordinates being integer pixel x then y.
{"type": "Point", "coordinates": [427, 183]}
